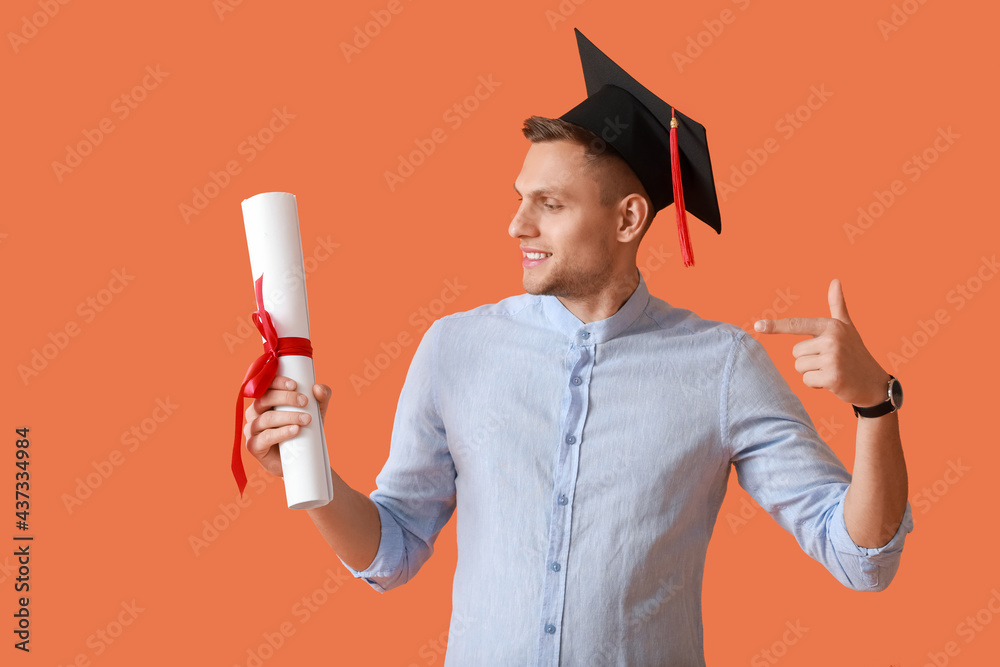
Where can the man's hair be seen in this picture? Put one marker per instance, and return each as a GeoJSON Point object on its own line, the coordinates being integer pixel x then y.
{"type": "Point", "coordinates": [613, 175]}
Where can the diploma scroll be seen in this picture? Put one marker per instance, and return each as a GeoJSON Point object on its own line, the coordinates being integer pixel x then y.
{"type": "Point", "coordinates": [271, 221]}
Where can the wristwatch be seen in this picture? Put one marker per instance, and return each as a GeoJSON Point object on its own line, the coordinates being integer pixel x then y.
{"type": "Point", "coordinates": [891, 404]}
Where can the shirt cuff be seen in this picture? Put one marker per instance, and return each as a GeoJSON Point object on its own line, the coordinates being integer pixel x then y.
{"type": "Point", "coordinates": [869, 569]}
{"type": "Point", "coordinates": [383, 570]}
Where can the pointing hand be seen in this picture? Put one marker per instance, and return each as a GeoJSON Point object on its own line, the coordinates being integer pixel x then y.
{"type": "Point", "coordinates": [835, 357]}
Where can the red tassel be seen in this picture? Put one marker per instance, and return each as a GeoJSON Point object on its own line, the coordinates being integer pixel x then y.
{"type": "Point", "coordinates": [675, 170]}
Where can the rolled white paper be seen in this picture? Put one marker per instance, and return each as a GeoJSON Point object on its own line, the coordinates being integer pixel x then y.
{"type": "Point", "coordinates": [271, 220]}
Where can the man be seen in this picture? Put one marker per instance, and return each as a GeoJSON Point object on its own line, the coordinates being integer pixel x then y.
{"type": "Point", "coordinates": [585, 430]}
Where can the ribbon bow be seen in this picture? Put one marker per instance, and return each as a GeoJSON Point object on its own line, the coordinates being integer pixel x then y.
{"type": "Point", "coordinates": [262, 371]}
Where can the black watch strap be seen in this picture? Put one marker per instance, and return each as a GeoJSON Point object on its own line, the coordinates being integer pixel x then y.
{"type": "Point", "coordinates": [882, 408]}
{"type": "Point", "coordinates": [876, 411]}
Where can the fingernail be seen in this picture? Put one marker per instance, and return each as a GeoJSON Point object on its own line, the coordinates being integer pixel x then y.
{"type": "Point", "coordinates": [289, 385]}
{"type": "Point", "coordinates": [302, 399]}
{"type": "Point", "coordinates": [759, 325]}
{"type": "Point", "coordinates": [304, 418]}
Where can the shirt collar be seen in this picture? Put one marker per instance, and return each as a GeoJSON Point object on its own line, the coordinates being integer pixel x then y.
{"type": "Point", "coordinates": [602, 330]}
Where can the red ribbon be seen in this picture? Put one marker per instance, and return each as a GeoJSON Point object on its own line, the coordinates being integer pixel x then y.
{"type": "Point", "coordinates": [261, 373]}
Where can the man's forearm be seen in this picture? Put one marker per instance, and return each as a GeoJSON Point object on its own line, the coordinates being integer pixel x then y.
{"type": "Point", "coordinates": [350, 524]}
{"type": "Point", "coordinates": [876, 498]}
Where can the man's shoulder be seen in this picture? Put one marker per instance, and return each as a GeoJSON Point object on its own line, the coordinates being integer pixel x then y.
{"type": "Point", "coordinates": [682, 321]}
{"type": "Point", "coordinates": [512, 307]}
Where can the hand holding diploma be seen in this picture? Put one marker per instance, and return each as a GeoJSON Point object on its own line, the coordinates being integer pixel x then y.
{"type": "Point", "coordinates": [272, 229]}
{"type": "Point", "coordinates": [267, 428]}
{"type": "Point", "coordinates": [284, 428]}
{"type": "Point", "coordinates": [349, 523]}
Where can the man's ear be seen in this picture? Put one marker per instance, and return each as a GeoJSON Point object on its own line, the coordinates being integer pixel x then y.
{"type": "Point", "coordinates": [633, 210]}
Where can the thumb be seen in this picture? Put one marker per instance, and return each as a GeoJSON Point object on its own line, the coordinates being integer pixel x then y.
{"type": "Point", "coordinates": [838, 306]}
{"type": "Point", "coordinates": [322, 393]}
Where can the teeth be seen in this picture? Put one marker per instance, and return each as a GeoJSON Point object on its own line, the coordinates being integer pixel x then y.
{"type": "Point", "coordinates": [537, 255]}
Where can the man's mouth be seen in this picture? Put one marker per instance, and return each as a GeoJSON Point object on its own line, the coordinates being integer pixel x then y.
{"type": "Point", "coordinates": [530, 258]}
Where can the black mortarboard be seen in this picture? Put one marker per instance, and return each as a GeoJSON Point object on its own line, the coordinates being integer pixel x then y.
{"type": "Point", "coordinates": [637, 125]}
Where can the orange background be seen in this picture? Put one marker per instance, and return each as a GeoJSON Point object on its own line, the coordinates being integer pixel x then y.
{"type": "Point", "coordinates": [164, 335]}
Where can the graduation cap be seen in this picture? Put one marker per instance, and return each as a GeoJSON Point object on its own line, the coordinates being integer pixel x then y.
{"type": "Point", "coordinates": [667, 150]}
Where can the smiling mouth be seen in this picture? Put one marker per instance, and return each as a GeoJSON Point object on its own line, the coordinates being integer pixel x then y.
{"type": "Point", "coordinates": [537, 255]}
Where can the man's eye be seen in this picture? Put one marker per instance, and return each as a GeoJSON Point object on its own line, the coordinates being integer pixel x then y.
{"type": "Point", "coordinates": [552, 207]}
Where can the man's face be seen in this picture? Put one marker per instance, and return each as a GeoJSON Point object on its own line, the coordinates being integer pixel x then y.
{"type": "Point", "coordinates": [561, 217]}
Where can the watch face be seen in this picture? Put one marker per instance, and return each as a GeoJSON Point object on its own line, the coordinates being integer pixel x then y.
{"type": "Point", "coordinates": [896, 394]}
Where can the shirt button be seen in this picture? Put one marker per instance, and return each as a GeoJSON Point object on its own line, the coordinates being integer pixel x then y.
{"type": "Point", "coordinates": [570, 439]}
{"type": "Point", "coordinates": [585, 335]}
{"type": "Point", "coordinates": [563, 500]}
{"type": "Point", "coordinates": [578, 380]}
{"type": "Point", "coordinates": [550, 629]}
{"type": "Point", "coordinates": [555, 567]}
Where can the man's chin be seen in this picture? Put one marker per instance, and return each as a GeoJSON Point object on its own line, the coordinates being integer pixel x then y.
{"type": "Point", "coordinates": [537, 288]}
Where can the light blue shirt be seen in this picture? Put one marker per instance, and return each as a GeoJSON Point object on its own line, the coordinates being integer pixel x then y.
{"type": "Point", "coordinates": [588, 463]}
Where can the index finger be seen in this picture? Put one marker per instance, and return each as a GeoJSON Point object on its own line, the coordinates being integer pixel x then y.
{"type": "Point", "coordinates": [282, 382]}
{"type": "Point", "coordinates": [280, 392]}
{"type": "Point", "coordinates": [802, 326]}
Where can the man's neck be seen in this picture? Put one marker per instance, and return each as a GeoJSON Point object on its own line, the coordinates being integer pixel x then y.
{"type": "Point", "coordinates": [605, 303]}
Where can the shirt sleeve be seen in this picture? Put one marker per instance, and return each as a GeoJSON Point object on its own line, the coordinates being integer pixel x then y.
{"type": "Point", "coordinates": [415, 494]}
{"type": "Point", "coordinates": [787, 468]}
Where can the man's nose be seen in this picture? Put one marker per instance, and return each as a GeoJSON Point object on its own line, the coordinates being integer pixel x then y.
{"type": "Point", "coordinates": [521, 225]}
